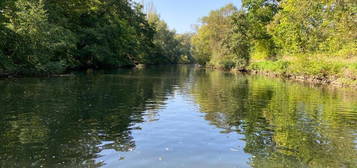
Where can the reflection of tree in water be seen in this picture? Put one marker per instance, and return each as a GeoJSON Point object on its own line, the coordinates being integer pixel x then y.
{"type": "Point", "coordinates": [67, 122]}
{"type": "Point", "coordinates": [285, 125]}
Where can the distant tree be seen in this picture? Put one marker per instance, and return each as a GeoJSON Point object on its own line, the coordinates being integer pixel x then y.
{"type": "Point", "coordinates": [207, 43]}
{"type": "Point", "coordinates": [170, 47]}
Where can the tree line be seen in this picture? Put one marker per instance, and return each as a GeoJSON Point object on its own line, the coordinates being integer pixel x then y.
{"type": "Point", "coordinates": [50, 36]}
{"type": "Point", "coordinates": [286, 36]}
{"type": "Point", "coordinates": [282, 32]}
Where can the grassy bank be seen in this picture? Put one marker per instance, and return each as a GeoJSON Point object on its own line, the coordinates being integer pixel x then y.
{"type": "Point", "coordinates": [317, 69]}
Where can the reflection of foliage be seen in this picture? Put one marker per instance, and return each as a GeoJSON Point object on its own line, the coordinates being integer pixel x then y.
{"type": "Point", "coordinates": [285, 125]}
{"type": "Point", "coordinates": [68, 121]}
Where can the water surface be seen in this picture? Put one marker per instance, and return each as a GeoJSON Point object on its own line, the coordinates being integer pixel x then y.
{"type": "Point", "coordinates": [175, 117]}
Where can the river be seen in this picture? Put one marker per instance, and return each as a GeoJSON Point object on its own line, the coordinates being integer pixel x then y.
{"type": "Point", "coordinates": [176, 117]}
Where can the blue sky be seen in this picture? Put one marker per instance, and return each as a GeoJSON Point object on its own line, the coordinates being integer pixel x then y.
{"type": "Point", "coordinates": [182, 14]}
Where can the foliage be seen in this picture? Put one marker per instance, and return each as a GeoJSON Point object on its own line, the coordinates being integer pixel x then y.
{"type": "Point", "coordinates": [313, 66]}
{"type": "Point", "coordinates": [39, 44]}
{"type": "Point", "coordinates": [236, 42]}
{"type": "Point", "coordinates": [172, 48]}
{"type": "Point", "coordinates": [305, 26]}
{"type": "Point", "coordinates": [46, 36]}
{"type": "Point", "coordinates": [208, 42]}
{"type": "Point", "coordinates": [185, 48]}
{"type": "Point", "coordinates": [228, 37]}
{"type": "Point", "coordinates": [259, 14]}
{"type": "Point", "coordinates": [280, 67]}
{"type": "Point", "coordinates": [298, 37]}
{"type": "Point", "coordinates": [201, 46]}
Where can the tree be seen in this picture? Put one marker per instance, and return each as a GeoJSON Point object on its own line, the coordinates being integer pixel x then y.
{"type": "Point", "coordinates": [185, 47]}
{"type": "Point", "coordinates": [237, 43]}
{"type": "Point", "coordinates": [171, 48]}
{"type": "Point", "coordinates": [306, 26]}
{"type": "Point", "coordinates": [39, 46]}
{"type": "Point", "coordinates": [44, 37]}
{"type": "Point", "coordinates": [259, 14]}
{"type": "Point", "coordinates": [207, 43]}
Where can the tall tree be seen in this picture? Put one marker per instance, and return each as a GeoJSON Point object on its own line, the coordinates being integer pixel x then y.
{"type": "Point", "coordinates": [259, 14]}
{"type": "Point", "coordinates": [236, 43]}
{"type": "Point", "coordinates": [207, 43]}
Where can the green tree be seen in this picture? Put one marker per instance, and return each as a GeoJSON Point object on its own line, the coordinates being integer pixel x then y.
{"type": "Point", "coordinates": [259, 14]}
{"type": "Point", "coordinates": [50, 36]}
{"type": "Point", "coordinates": [170, 47]}
{"type": "Point", "coordinates": [185, 47]}
{"type": "Point", "coordinates": [237, 43]}
{"type": "Point", "coordinates": [207, 43]}
{"type": "Point", "coordinates": [201, 49]}
{"type": "Point", "coordinates": [306, 26]}
{"type": "Point", "coordinates": [38, 46]}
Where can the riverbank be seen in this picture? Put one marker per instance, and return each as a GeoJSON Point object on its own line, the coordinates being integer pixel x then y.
{"type": "Point", "coordinates": [338, 72]}
{"type": "Point", "coordinates": [4, 74]}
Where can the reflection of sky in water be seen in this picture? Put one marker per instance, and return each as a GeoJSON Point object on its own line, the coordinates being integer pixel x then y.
{"type": "Point", "coordinates": [179, 138]}
{"type": "Point", "coordinates": [174, 117]}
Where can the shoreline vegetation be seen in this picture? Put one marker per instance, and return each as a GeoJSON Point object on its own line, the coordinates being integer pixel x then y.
{"type": "Point", "coordinates": [305, 40]}
{"type": "Point", "coordinates": [340, 74]}
{"type": "Point", "coordinates": [301, 40]}
{"type": "Point", "coordinates": [42, 38]}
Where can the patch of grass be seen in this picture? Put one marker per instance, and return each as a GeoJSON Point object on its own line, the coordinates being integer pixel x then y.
{"type": "Point", "coordinates": [309, 66]}
{"type": "Point", "coordinates": [315, 67]}
{"type": "Point", "coordinates": [279, 67]}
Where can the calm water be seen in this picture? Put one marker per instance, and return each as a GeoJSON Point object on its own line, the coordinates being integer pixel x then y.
{"type": "Point", "coordinates": [175, 117]}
